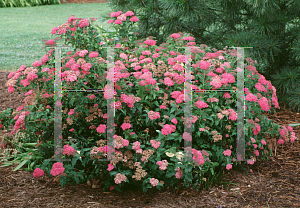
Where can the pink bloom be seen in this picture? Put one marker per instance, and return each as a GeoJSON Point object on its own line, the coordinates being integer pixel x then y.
{"type": "Point", "coordinates": [110, 21]}
{"type": "Point", "coordinates": [163, 107]}
{"type": "Point", "coordinates": [150, 42]}
{"type": "Point", "coordinates": [36, 63]}
{"type": "Point", "coordinates": [31, 76]}
{"type": "Point", "coordinates": [256, 152]}
{"type": "Point", "coordinates": [57, 169]}
{"type": "Point", "coordinates": [62, 31]}
{"type": "Point", "coordinates": [50, 42]}
{"type": "Point", "coordinates": [250, 97]}
{"type": "Point", "coordinates": [134, 19]}
{"type": "Point", "coordinates": [174, 35]}
{"type": "Point", "coordinates": [187, 136]}
{"type": "Point", "coordinates": [20, 108]}
{"type": "Point", "coordinates": [174, 121]}
{"type": "Point", "coordinates": [260, 87]}
{"type": "Point", "coordinates": [83, 23]}
{"type": "Point", "coordinates": [253, 140]}
{"type": "Point", "coordinates": [256, 129]}
{"type": "Point", "coordinates": [101, 128]}
{"type": "Point", "coordinates": [201, 129]}
{"type": "Point", "coordinates": [71, 130]}
{"type": "Point", "coordinates": [82, 53]}
{"type": "Point", "coordinates": [118, 22]}
{"type": "Point", "coordinates": [155, 144]}
{"type": "Point", "coordinates": [53, 31]}
{"type": "Point", "coordinates": [38, 172]}
{"type": "Point", "coordinates": [125, 142]}
{"type": "Point", "coordinates": [168, 129]}
{"type": "Point", "coordinates": [178, 173]}
{"type": "Point", "coordinates": [129, 13]}
{"type": "Point", "coordinates": [280, 141]}
{"type": "Point", "coordinates": [71, 112]}
{"type": "Point", "coordinates": [125, 126]}
{"type": "Point", "coordinates": [226, 95]}
{"type": "Point", "coordinates": [227, 152]}
{"type": "Point", "coordinates": [198, 158]}
{"type": "Point", "coordinates": [250, 161]}
{"type": "Point", "coordinates": [200, 104]}
{"type": "Point", "coordinates": [228, 166]}
{"type": "Point", "coordinates": [93, 54]}
{"type": "Point", "coordinates": [263, 102]}
{"type": "Point", "coordinates": [263, 142]}
{"type": "Point", "coordinates": [227, 135]}
{"type": "Point", "coordinates": [68, 150]}
{"type": "Point", "coordinates": [44, 59]}
{"type": "Point", "coordinates": [136, 145]}
{"type": "Point", "coordinates": [154, 182]}
{"type": "Point", "coordinates": [110, 167]}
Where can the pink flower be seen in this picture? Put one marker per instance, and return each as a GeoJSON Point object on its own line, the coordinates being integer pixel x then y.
{"type": "Point", "coordinates": [263, 102]}
{"type": "Point", "coordinates": [82, 53]}
{"type": "Point", "coordinates": [53, 31]}
{"type": "Point", "coordinates": [125, 142]}
{"type": "Point", "coordinates": [101, 128]}
{"type": "Point", "coordinates": [71, 130]}
{"type": "Point", "coordinates": [154, 182]}
{"type": "Point", "coordinates": [253, 140]}
{"type": "Point", "coordinates": [178, 173]}
{"type": "Point", "coordinates": [29, 92]}
{"type": "Point", "coordinates": [163, 107]}
{"type": "Point", "coordinates": [187, 136]}
{"type": "Point", "coordinates": [68, 150]}
{"type": "Point", "coordinates": [20, 108]}
{"type": "Point", "coordinates": [198, 158]}
{"type": "Point", "coordinates": [119, 178]}
{"type": "Point", "coordinates": [228, 166]}
{"type": "Point", "coordinates": [263, 142]}
{"type": "Point", "coordinates": [134, 19]}
{"type": "Point", "coordinates": [57, 169]}
{"type": "Point", "coordinates": [71, 112]}
{"type": "Point", "coordinates": [50, 42]}
{"type": "Point", "coordinates": [280, 141]}
{"type": "Point", "coordinates": [256, 129]}
{"type": "Point", "coordinates": [200, 104]}
{"type": "Point", "coordinates": [168, 129]}
{"type": "Point", "coordinates": [38, 172]}
{"type": "Point", "coordinates": [162, 164]}
{"type": "Point", "coordinates": [110, 21]}
{"type": "Point", "coordinates": [155, 144]}
{"type": "Point", "coordinates": [260, 87]}
{"type": "Point", "coordinates": [174, 121]}
{"type": "Point", "coordinates": [125, 126]}
{"type": "Point", "coordinates": [129, 13]}
{"type": "Point", "coordinates": [118, 22]}
{"type": "Point", "coordinates": [175, 35]}
{"type": "Point", "coordinates": [153, 115]}
{"type": "Point", "coordinates": [44, 59]}
{"type": "Point", "coordinates": [31, 76]}
{"type": "Point", "coordinates": [150, 42]}
{"type": "Point", "coordinates": [83, 23]}
{"type": "Point", "coordinates": [93, 54]}
{"type": "Point", "coordinates": [250, 161]}
{"type": "Point", "coordinates": [201, 129]}
{"type": "Point", "coordinates": [290, 128]}
{"type": "Point", "coordinates": [136, 145]}
{"type": "Point", "coordinates": [226, 95]}
{"type": "Point", "coordinates": [227, 152]}
{"type": "Point", "coordinates": [36, 63]}
{"type": "Point", "coordinates": [110, 167]}
{"type": "Point", "coordinates": [256, 152]}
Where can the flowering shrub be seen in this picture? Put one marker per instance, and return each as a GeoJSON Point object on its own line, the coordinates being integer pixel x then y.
{"type": "Point", "coordinates": [149, 99]}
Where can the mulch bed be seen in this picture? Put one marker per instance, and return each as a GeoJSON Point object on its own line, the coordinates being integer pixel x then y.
{"type": "Point", "coordinates": [273, 183]}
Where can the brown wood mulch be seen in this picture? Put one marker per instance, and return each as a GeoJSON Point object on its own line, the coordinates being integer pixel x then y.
{"type": "Point", "coordinates": [273, 183]}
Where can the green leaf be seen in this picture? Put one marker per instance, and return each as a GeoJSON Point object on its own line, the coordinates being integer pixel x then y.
{"type": "Point", "coordinates": [21, 165]}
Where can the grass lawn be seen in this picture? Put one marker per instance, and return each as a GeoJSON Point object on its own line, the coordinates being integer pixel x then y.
{"type": "Point", "coordinates": [22, 29]}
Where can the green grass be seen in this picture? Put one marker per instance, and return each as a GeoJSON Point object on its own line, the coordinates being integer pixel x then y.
{"type": "Point", "coordinates": [23, 28]}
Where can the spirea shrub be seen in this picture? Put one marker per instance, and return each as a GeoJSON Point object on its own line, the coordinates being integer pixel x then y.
{"type": "Point", "coordinates": [149, 108]}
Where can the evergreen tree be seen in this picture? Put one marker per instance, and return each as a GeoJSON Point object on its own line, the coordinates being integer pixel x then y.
{"type": "Point", "coordinates": [271, 27]}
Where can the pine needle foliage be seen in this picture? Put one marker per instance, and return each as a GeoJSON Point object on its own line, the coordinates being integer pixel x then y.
{"type": "Point", "coordinates": [271, 27]}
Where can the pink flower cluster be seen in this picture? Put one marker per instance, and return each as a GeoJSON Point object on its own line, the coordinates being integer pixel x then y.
{"type": "Point", "coordinates": [178, 174]}
{"type": "Point", "coordinates": [227, 152]}
{"type": "Point", "coordinates": [153, 115]}
{"type": "Point", "coordinates": [162, 164]}
{"type": "Point", "coordinates": [200, 104]}
{"type": "Point", "coordinates": [155, 144]}
{"type": "Point", "coordinates": [125, 126]}
{"type": "Point", "coordinates": [168, 129]}
{"type": "Point", "coordinates": [154, 182]}
{"type": "Point", "coordinates": [101, 128]}
{"type": "Point", "coordinates": [110, 167]}
{"type": "Point", "coordinates": [122, 17]}
{"type": "Point", "coordinates": [197, 157]}
{"type": "Point", "coordinates": [38, 172]}
{"type": "Point", "coordinates": [119, 178]}
{"type": "Point", "coordinates": [68, 150]}
{"type": "Point", "coordinates": [57, 169]}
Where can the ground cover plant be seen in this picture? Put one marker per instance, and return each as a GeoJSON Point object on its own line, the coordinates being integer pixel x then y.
{"type": "Point", "coordinates": [150, 144]}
